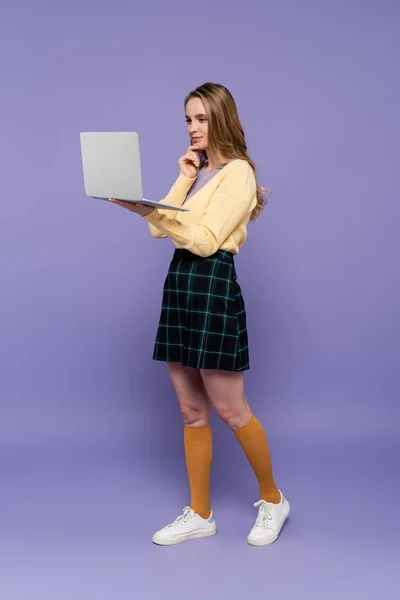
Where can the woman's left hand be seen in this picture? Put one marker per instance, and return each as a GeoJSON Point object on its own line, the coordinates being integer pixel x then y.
{"type": "Point", "coordinates": [140, 209]}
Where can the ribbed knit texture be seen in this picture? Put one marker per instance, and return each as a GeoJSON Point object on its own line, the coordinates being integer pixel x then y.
{"type": "Point", "coordinates": [198, 453]}
{"type": "Point", "coordinates": [255, 445]}
{"type": "Point", "coordinates": [175, 197]}
{"type": "Point", "coordinates": [220, 211]}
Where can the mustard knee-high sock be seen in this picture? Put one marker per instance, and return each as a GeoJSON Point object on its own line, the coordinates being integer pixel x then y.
{"type": "Point", "coordinates": [255, 445]}
{"type": "Point", "coordinates": [198, 453]}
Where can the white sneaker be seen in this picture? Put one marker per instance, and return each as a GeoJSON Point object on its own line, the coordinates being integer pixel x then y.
{"type": "Point", "coordinates": [185, 527]}
{"type": "Point", "coordinates": [269, 521]}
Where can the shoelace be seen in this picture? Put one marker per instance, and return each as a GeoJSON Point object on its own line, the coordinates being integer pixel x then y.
{"type": "Point", "coordinates": [264, 514]}
{"type": "Point", "coordinates": [184, 518]}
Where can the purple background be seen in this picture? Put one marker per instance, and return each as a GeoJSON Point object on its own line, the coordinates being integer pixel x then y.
{"type": "Point", "coordinates": [91, 435]}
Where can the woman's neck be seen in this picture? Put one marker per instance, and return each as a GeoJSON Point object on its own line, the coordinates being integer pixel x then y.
{"type": "Point", "coordinates": [211, 165]}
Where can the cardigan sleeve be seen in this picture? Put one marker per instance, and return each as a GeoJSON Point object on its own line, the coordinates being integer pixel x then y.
{"type": "Point", "coordinates": [228, 206]}
{"type": "Point", "coordinates": [175, 197]}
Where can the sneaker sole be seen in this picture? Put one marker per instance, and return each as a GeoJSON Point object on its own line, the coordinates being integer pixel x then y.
{"type": "Point", "coordinates": [183, 538]}
{"type": "Point", "coordinates": [261, 542]}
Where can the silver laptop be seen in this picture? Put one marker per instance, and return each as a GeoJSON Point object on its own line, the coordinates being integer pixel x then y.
{"type": "Point", "coordinates": [111, 167]}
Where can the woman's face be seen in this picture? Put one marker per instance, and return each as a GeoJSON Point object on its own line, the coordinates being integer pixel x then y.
{"type": "Point", "coordinates": [197, 124]}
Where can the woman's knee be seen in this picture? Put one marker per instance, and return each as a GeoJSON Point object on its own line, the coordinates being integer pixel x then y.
{"type": "Point", "coordinates": [226, 393]}
{"type": "Point", "coordinates": [192, 396]}
{"type": "Point", "coordinates": [195, 417]}
{"type": "Point", "coordinates": [234, 418]}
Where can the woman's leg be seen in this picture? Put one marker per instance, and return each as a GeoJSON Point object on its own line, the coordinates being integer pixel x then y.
{"type": "Point", "coordinates": [225, 390]}
{"type": "Point", "coordinates": [195, 408]}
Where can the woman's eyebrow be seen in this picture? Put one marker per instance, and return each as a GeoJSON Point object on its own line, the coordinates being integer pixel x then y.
{"type": "Point", "coordinates": [197, 116]}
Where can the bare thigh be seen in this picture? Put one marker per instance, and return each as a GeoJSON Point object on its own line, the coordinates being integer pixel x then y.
{"type": "Point", "coordinates": [192, 396]}
{"type": "Point", "coordinates": [225, 390]}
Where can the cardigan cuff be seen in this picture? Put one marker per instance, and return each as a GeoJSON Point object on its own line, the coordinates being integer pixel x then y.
{"type": "Point", "coordinates": [153, 217]}
{"type": "Point", "coordinates": [176, 196]}
{"type": "Point", "coordinates": [184, 182]}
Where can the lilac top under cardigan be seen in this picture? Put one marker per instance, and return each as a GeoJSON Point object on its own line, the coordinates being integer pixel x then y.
{"type": "Point", "coordinates": [202, 178]}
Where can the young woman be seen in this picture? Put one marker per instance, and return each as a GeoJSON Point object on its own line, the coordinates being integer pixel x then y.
{"type": "Point", "coordinates": [202, 333]}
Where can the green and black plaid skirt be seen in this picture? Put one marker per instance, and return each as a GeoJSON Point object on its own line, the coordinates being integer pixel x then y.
{"type": "Point", "coordinates": [203, 317]}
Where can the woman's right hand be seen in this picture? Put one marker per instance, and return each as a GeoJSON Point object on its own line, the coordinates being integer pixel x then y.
{"type": "Point", "coordinates": [189, 163]}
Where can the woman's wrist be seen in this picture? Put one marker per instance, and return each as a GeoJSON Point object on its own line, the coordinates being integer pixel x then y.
{"type": "Point", "coordinates": [146, 210]}
{"type": "Point", "coordinates": [185, 175]}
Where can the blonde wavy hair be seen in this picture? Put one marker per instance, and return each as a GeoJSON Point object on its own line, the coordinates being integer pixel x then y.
{"type": "Point", "coordinates": [226, 139]}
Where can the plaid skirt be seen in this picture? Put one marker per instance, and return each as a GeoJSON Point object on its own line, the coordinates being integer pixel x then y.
{"type": "Point", "coordinates": [203, 317]}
